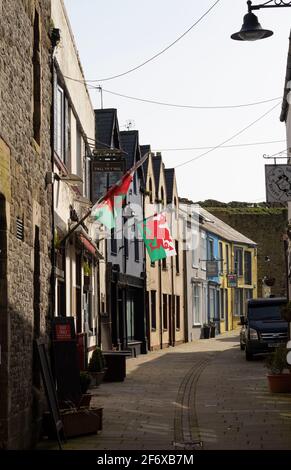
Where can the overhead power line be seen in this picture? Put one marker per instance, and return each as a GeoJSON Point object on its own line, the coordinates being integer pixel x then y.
{"type": "Point", "coordinates": [229, 139]}
{"type": "Point", "coordinates": [161, 103]}
{"type": "Point", "coordinates": [156, 55]}
{"type": "Point", "coordinates": [249, 144]}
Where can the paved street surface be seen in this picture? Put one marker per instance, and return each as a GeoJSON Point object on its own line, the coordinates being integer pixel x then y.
{"type": "Point", "coordinates": [202, 395]}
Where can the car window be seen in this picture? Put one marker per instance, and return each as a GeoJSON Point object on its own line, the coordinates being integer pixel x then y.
{"type": "Point", "coordinates": [265, 312]}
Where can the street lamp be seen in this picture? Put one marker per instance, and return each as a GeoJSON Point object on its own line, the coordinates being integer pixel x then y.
{"type": "Point", "coordinates": [251, 29]}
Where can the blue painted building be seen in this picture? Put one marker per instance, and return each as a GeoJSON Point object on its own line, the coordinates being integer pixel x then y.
{"type": "Point", "coordinates": [213, 279]}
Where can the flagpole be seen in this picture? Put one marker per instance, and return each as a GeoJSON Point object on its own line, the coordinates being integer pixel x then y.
{"type": "Point", "coordinates": [128, 172]}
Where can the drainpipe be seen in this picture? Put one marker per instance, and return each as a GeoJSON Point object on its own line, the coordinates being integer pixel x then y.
{"type": "Point", "coordinates": [160, 309]}
{"type": "Point", "coordinates": [53, 260]}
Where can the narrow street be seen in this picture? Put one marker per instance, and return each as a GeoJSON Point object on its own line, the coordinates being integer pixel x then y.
{"type": "Point", "coordinates": [202, 395]}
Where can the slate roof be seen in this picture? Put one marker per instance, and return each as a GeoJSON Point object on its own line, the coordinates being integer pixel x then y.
{"type": "Point", "coordinates": [157, 162]}
{"type": "Point", "coordinates": [169, 177]}
{"type": "Point", "coordinates": [130, 145]}
{"type": "Point", "coordinates": [106, 124]}
{"type": "Point", "coordinates": [220, 228]}
{"type": "Point", "coordinates": [285, 104]}
{"type": "Point", "coordinates": [143, 150]}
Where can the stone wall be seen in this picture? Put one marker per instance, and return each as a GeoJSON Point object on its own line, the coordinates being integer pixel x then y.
{"type": "Point", "coordinates": [25, 275]}
{"type": "Point", "coordinates": [265, 226]}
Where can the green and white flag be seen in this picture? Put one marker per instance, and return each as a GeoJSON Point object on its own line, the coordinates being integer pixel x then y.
{"type": "Point", "coordinates": [157, 238]}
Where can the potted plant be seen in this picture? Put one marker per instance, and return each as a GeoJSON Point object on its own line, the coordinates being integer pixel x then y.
{"type": "Point", "coordinates": [286, 312]}
{"type": "Point", "coordinates": [279, 382]}
{"type": "Point", "coordinates": [96, 366]}
{"type": "Point", "coordinates": [206, 331]}
{"type": "Point", "coordinates": [85, 381]}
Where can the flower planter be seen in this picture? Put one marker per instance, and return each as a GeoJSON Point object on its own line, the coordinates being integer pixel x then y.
{"type": "Point", "coordinates": [97, 377]}
{"type": "Point", "coordinates": [75, 422]}
{"type": "Point", "coordinates": [279, 383]}
{"type": "Point", "coordinates": [85, 400]}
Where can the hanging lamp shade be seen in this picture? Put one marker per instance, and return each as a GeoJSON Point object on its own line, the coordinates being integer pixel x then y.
{"type": "Point", "coordinates": [251, 30]}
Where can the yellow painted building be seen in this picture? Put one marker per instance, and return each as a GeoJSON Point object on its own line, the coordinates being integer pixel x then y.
{"type": "Point", "coordinates": [165, 278]}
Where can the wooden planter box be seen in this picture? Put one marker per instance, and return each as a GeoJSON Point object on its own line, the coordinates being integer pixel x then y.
{"type": "Point", "coordinates": [79, 422]}
{"type": "Point", "coordinates": [280, 383]}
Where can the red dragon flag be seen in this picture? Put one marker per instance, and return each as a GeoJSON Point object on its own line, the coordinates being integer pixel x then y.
{"type": "Point", "coordinates": [106, 211]}
{"type": "Point", "coordinates": [157, 238]}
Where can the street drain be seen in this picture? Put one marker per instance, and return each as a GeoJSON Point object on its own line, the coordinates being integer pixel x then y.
{"type": "Point", "coordinates": [191, 445]}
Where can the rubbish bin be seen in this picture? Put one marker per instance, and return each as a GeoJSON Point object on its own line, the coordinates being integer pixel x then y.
{"type": "Point", "coordinates": [206, 331]}
{"type": "Point", "coordinates": [115, 365]}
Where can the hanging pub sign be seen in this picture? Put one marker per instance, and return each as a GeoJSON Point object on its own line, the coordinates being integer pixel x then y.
{"type": "Point", "coordinates": [278, 183]}
{"type": "Point", "coordinates": [232, 280]}
{"type": "Point", "coordinates": [212, 268]}
{"type": "Point", "coordinates": [107, 167]}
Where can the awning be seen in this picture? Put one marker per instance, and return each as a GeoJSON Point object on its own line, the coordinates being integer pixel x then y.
{"type": "Point", "coordinates": [89, 246]}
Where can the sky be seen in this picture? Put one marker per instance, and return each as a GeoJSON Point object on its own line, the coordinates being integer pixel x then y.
{"type": "Point", "coordinates": [205, 68]}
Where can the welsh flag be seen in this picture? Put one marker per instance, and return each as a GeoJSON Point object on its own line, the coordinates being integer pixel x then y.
{"type": "Point", "coordinates": [157, 238]}
{"type": "Point", "coordinates": [106, 210]}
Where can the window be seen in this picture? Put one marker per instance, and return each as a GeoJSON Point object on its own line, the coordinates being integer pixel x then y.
{"type": "Point", "coordinates": [177, 257]}
{"type": "Point", "coordinates": [164, 263]}
{"type": "Point", "coordinates": [227, 258]}
{"type": "Point", "coordinates": [226, 303]}
{"type": "Point", "coordinates": [212, 299]}
{"type": "Point", "coordinates": [136, 245]}
{"type": "Point", "coordinates": [36, 60]}
{"type": "Point", "coordinates": [151, 190]}
{"type": "Point", "coordinates": [221, 257]}
{"type": "Point", "coordinates": [165, 312]}
{"type": "Point", "coordinates": [248, 267]}
{"type": "Point", "coordinates": [222, 304]}
{"type": "Point", "coordinates": [62, 125]}
{"type": "Point", "coordinates": [162, 198]}
{"type": "Point", "coordinates": [78, 277]}
{"type": "Point", "coordinates": [113, 242]}
{"type": "Point", "coordinates": [238, 261]}
{"type": "Point", "coordinates": [178, 317]}
{"type": "Point", "coordinates": [130, 316]}
{"type": "Point", "coordinates": [210, 249]}
{"type": "Point", "coordinates": [203, 250]}
{"type": "Point", "coordinates": [238, 302]}
{"type": "Point", "coordinates": [196, 314]}
{"type": "Point", "coordinates": [153, 310]}
{"type": "Point", "coordinates": [125, 247]}
{"type": "Point", "coordinates": [134, 183]}
{"type": "Point", "coordinates": [195, 248]}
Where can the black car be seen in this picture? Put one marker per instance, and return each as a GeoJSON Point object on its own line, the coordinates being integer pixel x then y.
{"type": "Point", "coordinates": [263, 328]}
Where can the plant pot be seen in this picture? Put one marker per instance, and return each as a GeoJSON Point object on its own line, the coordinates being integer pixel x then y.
{"type": "Point", "coordinates": [206, 332]}
{"type": "Point", "coordinates": [97, 377]}
{"type": "Point", "coordinates": [279, 383]}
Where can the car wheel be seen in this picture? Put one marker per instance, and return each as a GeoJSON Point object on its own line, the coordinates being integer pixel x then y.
{"type": "Point", "coordinates": [242, 347]}
{"type": "Point", "coordinates": [249, 356]}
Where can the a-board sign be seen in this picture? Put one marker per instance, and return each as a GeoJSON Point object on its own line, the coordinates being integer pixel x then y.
{"type": "Point", "coordinates": [66, 363]}
{"type": "Point", "coordinates": [50, 388]}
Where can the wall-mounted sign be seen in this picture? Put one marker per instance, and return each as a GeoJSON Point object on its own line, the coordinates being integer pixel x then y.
{"type": "Point", "coordinates": [212, 268]}
{"type": "Point", "coordinates": [278, 183]}
{"type": "Point", "coordinates": [232, 280]}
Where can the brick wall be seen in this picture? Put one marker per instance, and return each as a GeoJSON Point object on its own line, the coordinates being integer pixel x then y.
{"type": "Point", "coordinates": [25, 277]}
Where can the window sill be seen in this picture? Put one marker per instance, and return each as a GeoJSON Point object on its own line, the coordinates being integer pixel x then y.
{"type": "Point", "coordinates": [153, 330]}
{"type": "Point", "coordinates": [113, 254]}
{"type": "Point", "coordinates": [165, 330]}
{"type": "Point", "coordinates": [196, 325]}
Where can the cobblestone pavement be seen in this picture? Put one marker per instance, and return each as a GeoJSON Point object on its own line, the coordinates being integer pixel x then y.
{"type": "Point", "coordinates": [202, 395]}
